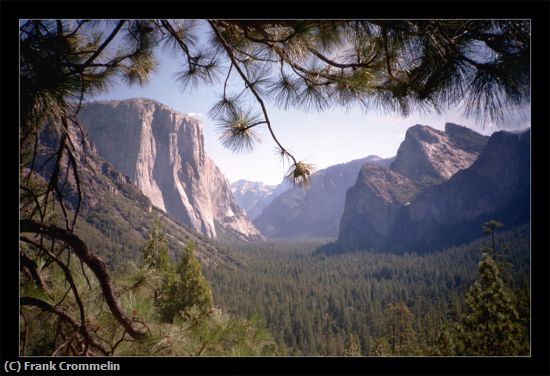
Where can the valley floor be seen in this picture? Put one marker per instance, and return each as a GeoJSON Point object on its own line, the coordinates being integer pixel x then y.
{"type": "Point", "coordinates": [338, 305]}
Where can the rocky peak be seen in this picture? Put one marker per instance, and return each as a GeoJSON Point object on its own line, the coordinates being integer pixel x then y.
{"type": "Point", "coordinates": [465, 138]}
{"type": "Point", "coordinates": [253, 197]}
{"type": "Point", "coordinates": [162, 151]}
{"type": "Point", "coordinates": [241, 187]}
{"type": "Point", "coordinates": [385, 210]}
{"type": "Point", "coordinates": [425, 133]}
{"type": "Point", "coordinates": [430, 156]}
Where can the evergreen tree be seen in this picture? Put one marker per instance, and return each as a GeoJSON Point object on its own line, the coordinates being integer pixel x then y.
{"type": "Point", "coordinates": [381, 347]}
{"type": "Point", "coordinates": [155, 251]}
{"type": "Point", "coordinates": [522, 302]}
{"type": "Point", "coordinates": [490, 324]}
{"type": "Point", "coordinates": [490, 227]}
{"type": "Point", "coordinates": [353, 348]}
{"type": "Point", "coordinates": [447, 343]}
{"type": "Point", "coordinates": [190, 295]}
{"type": "Point", "coordinates": [155, 258]}
{"type": "Point", "coordinates": [432, 327]}
{"type": "Point", "coordinates": [399, 330]}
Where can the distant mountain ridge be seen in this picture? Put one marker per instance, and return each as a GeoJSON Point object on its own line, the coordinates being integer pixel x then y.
{"type": "Point", "coordinates": [253, 197]}
{"type": "Point", "coordinates": [439, 191]}
{"type": "Point", "coordinates": [162, 151]}
{"type": "Point", "coordinates": [315, 212]}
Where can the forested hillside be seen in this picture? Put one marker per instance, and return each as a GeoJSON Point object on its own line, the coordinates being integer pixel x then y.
{"type": "Point", "coordinates": [319, 305]}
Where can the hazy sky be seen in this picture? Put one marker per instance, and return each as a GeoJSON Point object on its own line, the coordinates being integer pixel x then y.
{"type": "Point", "coordinates": [321, 138]}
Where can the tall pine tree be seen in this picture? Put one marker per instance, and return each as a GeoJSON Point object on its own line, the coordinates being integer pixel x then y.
{"type": "Point", "coordinates": [399, 330]}
{"type": "Point", "coordinates": [155, 258]}
{"type": "Point", "coordinates": [190, 295]}
{"type": "Point", "coordinates": [490, 324]}
{"type": "Point", "coordinates": [353, 348]}
{"type": "Point", "coordinates": [155, 251]}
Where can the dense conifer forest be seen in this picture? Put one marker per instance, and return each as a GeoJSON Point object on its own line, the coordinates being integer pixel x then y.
{"type": "Point", "coordinates": [321, 305]}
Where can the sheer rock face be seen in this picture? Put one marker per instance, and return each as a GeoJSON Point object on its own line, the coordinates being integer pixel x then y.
{"type": "Point", "coordinates": [430, 215]}
{"type": "Point", "coordinates": [372, 207]}
{"type": "Point", "coordinates": [111, 200]}
{"type": "Point", "coordinates": [314, 212]}
{"type": "Point", "coordinates": [498, 178]}
{"type": "Point", "coordinates": [429, 156]}
{"type": "Point", "coordinates": [162, 151]}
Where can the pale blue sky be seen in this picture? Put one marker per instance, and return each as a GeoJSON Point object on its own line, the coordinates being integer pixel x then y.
{"type": "Point", "coordinates": [321, 138]}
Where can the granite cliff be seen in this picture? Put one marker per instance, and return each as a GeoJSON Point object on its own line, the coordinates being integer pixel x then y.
{"type": "Point", "coordinates": [439, 190]}
{"type": "Point", "coordinates": [372, 207]}
{"type": "Point", "coordinates": [115, 217]}
{"type": "Point", "coordinates": [162, 151]}
{"type": "Point", "coordinates": [497, 185]}
{"type": "Point", "coordinates": [429, 156]}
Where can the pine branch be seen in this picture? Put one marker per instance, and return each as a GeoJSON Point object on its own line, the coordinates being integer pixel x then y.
{"type": "Point", "coordinates": [32, 267]}
{"type": "Point", "coordinates": [93, 262]}
{"type": "Point", "coordinates": [250, 86]}
{"type": "Point", "coordinates": [64, 316]}
{"type": "Point", "coordinates": [103, 45]}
